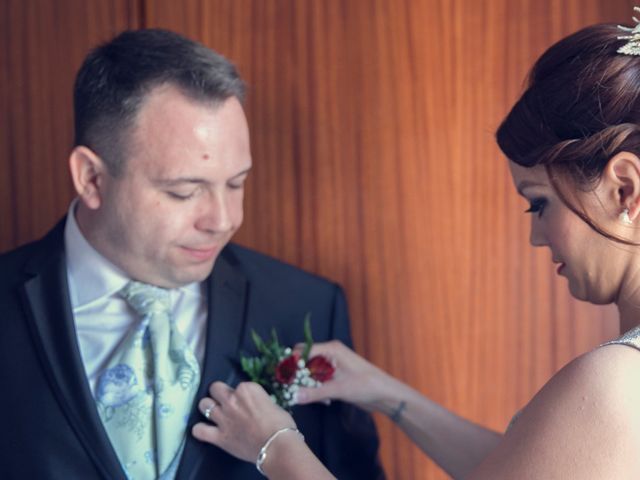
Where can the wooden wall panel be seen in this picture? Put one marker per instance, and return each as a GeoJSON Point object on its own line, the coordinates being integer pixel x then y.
{"type": "Point", "coordinates": [43, 44]}
{"type": "Point", "coordinates": [372, 125]}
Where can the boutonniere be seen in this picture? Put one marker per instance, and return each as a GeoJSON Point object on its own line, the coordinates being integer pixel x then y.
{"type": "Point", "coordinates": [281, 371]}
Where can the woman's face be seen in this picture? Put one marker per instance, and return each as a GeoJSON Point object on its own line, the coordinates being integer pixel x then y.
{"type": "Point", "coordinates": [593, 264]}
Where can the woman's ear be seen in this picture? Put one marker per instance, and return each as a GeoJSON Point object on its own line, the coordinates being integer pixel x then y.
{"type": "Point", "coordinates": [87, 171]}
{"type": "Point", "coordinates": [622, 175]}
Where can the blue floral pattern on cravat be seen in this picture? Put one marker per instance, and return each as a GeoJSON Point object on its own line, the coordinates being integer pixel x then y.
{"type": "Point", "coordinates": [145, 394]}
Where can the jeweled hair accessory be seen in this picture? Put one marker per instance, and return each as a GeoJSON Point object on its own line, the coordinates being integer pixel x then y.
{"type": "Point", "coordinates": [632, 47]}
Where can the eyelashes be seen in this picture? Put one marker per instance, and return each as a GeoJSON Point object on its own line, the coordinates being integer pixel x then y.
{"type": "Point", "coordinates": [182, 196]}
{"type": "Point", "coordinates": [537, 205]}
{"type": "Point", "coordinates": [177, 196]}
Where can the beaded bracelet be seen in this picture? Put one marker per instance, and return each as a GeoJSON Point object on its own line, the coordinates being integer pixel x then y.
{"type": "Point", "coordinates": [262, 456]}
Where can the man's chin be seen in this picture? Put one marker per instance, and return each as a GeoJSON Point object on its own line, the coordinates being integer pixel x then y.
{"type": "Point", "coordinates": [179, 276]}
{"type": "Point", "coordinates": [193, 273]}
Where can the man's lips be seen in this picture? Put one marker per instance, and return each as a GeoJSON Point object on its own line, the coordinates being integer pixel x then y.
{"type": "Point", "coordinates": [201, 253]}
{"type": "Point", "coordinates": [560, 268]}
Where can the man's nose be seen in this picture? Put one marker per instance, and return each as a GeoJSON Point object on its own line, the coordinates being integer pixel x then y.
{"type": "Point", "coordinates": [215, 215]}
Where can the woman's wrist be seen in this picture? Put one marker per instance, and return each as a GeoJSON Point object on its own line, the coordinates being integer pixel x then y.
{"type": "Point", "coordinates": [277, 449]}
{"type": "Point", "coordinates": [394, 400]}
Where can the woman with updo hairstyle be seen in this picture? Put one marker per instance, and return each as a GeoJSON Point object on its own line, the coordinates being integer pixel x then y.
{"type": "Point", "coordinates": [573, 145]}
{"type": "Point", "coordinates": [581, 108]}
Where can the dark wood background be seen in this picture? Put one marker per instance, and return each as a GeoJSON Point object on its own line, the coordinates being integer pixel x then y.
{"type": "Point", "coordinates": [372, 129]}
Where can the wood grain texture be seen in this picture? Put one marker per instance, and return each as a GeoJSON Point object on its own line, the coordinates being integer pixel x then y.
{"type": "Point", "coordinates": [375, 165]}
{"type": "Point", "coordinates": [43, 44]}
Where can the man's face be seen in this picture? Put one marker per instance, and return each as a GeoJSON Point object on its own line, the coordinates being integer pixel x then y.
{"type": "Point", "coordinates": [178, 201]}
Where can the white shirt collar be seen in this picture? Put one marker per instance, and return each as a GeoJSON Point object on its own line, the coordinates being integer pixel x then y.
{"type": "Point", "coordinates": [90, 275]}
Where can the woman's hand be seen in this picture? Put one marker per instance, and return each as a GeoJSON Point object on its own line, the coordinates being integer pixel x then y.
{"type": "Point", "coordinates": [240, 420]}
{"type": "Point", "coordinates": [355, 379]}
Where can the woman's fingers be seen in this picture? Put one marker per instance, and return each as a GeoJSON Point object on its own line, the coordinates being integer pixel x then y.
{"type": "Point", "coordinates": [208, 407]}
{"type": "Point", "coordinates": [205, 432]}
{"type": "Point", "coordinates": [322, 393]}
{"type": "Point", "coordinates": [240, 419]}
{"type": "Point", "coordinates": [220, 392]}
{"type": "Point", "coordinates": [328, 349]}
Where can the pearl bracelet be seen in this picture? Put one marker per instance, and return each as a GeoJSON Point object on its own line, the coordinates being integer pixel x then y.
{"type": "Point", "coordinates": [262, 456]}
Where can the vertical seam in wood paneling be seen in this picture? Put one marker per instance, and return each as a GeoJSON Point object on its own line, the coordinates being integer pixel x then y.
{"type": "Point", "coordinates": [141, 6]}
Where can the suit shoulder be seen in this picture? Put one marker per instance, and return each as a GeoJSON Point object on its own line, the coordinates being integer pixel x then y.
{"type": "Point", "coordinates": [259, 265]}
{"type": "Point", "coordinates": [15, 259]}
{"type": "Point", "coordinates": [31, 255]}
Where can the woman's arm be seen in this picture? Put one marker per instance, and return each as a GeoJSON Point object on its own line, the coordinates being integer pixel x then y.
{"type": "Point", "coordinates": [454, 443]}
{"type": "Point", "coordinates": [584, 423]}
{"type": "Point", "coordinates": [457, 445]}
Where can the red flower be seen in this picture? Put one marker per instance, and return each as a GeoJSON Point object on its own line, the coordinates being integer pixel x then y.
{"type": "Point", "coordinates": [320, 368]}
{"type": "Point", "coordinates": [287, 368]}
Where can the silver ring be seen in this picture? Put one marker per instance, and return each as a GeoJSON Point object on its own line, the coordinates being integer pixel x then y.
{"type": "Point", "coordinates": [208, 410]}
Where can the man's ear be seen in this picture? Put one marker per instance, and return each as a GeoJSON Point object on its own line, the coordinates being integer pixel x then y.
{"type": "Point", "coordinates": [87, 173]}
{"type": "Point", "coordinates": [622, 174]}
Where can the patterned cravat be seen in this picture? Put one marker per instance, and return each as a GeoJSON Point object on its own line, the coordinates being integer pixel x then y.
{"type": "Point", "coordinates": [145, 395]}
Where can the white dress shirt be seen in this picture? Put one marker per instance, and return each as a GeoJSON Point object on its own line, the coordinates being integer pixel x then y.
{"type": "Point", "coordinates": [102, 318]}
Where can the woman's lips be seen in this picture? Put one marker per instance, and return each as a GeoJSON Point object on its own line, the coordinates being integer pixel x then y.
{"type": "Point", "coordinates": [560, 268]}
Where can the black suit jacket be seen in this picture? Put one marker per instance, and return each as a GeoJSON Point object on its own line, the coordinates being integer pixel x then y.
{"type": "Point", "coordinates": [50, 426]}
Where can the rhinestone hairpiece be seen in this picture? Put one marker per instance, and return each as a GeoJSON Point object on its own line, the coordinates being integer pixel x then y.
{"type": "Point", "coordinates": [632, 47]}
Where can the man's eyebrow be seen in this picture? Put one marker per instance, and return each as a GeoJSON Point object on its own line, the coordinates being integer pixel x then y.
{"type": "Point", "coordinates": [244, 172]}
{"type": "Point", "coordinates": [527, 184]}
{"type": "Point", "coordinates": [172, 182]}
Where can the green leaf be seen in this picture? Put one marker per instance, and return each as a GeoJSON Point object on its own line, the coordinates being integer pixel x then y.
{"type": "Point", "coordinates": [276, 348]}
{"type": "Point", "coordinates": [307, 337]}
{"type": "Point", "coordinates": [260, 345]}
{"type": "Point", "coordinates": [250, 367]}
{"type": "Point", "coordinates": [254, 368]}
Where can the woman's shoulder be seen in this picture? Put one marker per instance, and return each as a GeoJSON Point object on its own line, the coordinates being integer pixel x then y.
{"type": "Point", "coordinates": [605, 383]}
{"type": "Point", "coordinates": [584, 423]}
{"type": "Point", "coordinates": [609, 371]}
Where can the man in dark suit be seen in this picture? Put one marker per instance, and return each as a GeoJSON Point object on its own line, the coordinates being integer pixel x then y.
{"type": "Point", "coordinates": [161, 156]}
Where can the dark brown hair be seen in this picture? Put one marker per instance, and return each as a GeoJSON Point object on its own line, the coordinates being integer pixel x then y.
{"type": "Point", "coordinates": [115, 78]}
{"type": "Point", "coordinates": [580, 108]}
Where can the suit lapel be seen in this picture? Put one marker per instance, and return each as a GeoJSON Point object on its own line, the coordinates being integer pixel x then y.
{"type": "Point", "coordinates": [227, 291]}
{"type": "Point", "coordinates": [46, 298]}
{"type": "Point", "coordinates": [227, 295]}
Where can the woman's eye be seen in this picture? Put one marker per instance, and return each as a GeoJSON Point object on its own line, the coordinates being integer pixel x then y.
{"type": "Point", "coordinates": [537, 206]}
